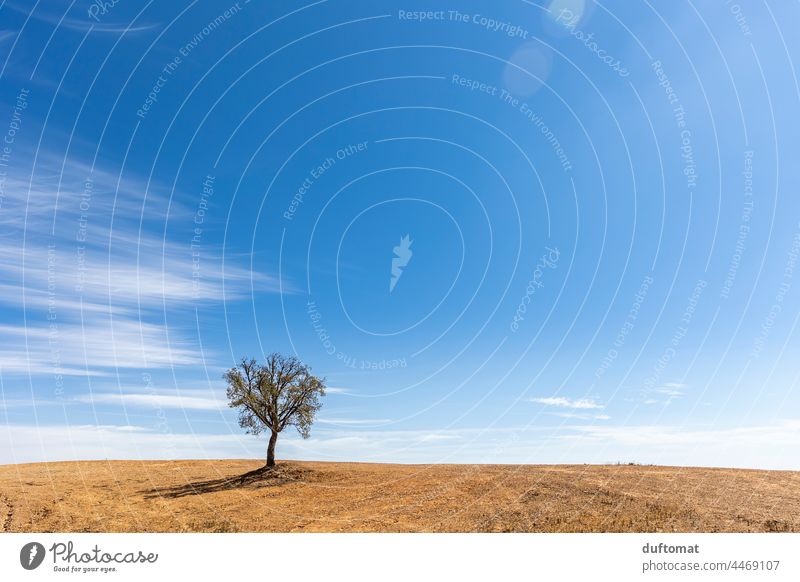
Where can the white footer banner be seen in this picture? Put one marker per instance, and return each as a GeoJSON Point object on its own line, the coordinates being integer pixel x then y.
{"type": "Point", "coordinates": [417, 557]}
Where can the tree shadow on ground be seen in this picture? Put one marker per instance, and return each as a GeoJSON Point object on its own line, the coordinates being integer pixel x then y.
{"type": "Point", "coordinates": [256, 479]}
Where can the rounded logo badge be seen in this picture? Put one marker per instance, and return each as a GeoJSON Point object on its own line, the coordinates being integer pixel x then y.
{"type": "Point", "coordinates": [31, 555]}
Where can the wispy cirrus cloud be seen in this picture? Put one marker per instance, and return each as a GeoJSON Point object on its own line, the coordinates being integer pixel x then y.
{"type": "Point", "coordinates": [338, 390]}
{"type": "Point", "coordinates": [89, 277]}
{"type": "Point", "coordinates": [94, 348]}
{"type": "Point", "coordinates": [671, 389]}
{"type": "Point", "coordinates": [582, 416]}
{"type": "Point", "coordinates": [183, 400]}
{"type": "Point", "coordinates": [353, 421]}
{"type": "Point", "coordinates": [561, 402]}
{"type": "Point", "coordinates": [665, 393]}
{"type": "Point", "coordinates": [78, 19]}
{"type": "Point", "coordinates": [746, 446]}
{"type": "Point", "coordinates": [90, 230]}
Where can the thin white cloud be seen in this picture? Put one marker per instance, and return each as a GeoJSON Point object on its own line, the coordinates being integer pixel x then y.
{"type": "Point", "coordinates": [784, 432]}
{"type": "Point", "coordinates": [773, 446]}
{"type": "Point", "coordinates": [80, 22]}
{"type": "Point", "coordinates": [433, 437]}
{"type": "Point", "coordinates": [337, 390]}
{"type": "Point", "coordinates": [144, 273]}
{"type": "Point", "coordinates": [353, 421]}
{"type": "Point", "coordinates": [671, 389]}
{"type": "Point", "coordinates": [561, 402]}
{"type": "Point", "coordinates": [665, 393]}
{"type": "Point", "coordinates": [582, 416]}
{"type": "Point", "coordinates": [88, 230]}
{"type": "Point", "coordinates": [29, 403]}
{"type": "Point", "coordinates": [182, 401]}
{"type": "Point", "coordinates": [96, 297]}
{"type": "Point", "coordinates": [26, 444]}
{"type": "Point", "coordinates": [94, 348]}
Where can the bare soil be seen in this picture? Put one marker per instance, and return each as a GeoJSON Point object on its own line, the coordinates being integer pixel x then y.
{"type": "Point", "coordinates": [235, 496]}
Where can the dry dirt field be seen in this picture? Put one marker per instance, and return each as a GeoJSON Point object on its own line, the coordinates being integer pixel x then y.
{"type": "Point", "coordinates": [222, 496]}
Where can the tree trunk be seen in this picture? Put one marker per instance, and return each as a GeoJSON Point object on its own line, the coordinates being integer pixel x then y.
{"type": "Point", "coordinates": [271, 449]}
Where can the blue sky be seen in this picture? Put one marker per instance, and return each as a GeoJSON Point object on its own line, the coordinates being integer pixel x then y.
{"type": "Point", "coordinates": [599, 201]}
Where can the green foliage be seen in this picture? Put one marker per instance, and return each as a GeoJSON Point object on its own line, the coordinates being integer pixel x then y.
{"type": "Point", "coordinates": [282, 392]}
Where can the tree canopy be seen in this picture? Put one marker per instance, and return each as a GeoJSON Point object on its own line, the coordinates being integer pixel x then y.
{"type": "Point", "coordinates": [281, 392]}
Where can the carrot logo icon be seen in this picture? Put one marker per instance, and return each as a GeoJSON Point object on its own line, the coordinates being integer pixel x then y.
{"type": "Point", "coordinates": [31, 555]}
{"type": "Point", "coordinates": [400, 260]}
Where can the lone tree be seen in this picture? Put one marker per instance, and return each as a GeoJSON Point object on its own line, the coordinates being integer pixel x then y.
{"type": "Point", "coordinates": [280, 393]}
